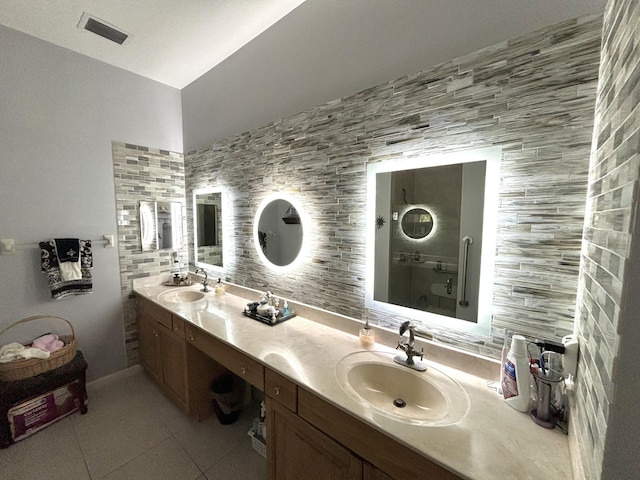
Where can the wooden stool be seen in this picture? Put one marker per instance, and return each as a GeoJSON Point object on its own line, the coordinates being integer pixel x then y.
{"type": "Point", "coordinates": [19, 391]}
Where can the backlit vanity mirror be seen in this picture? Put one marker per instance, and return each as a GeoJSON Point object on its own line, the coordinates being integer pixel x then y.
{"type": "Point", "coordinates": [433, 260]}
{"type": "Point", "coordinates": [160, 225]}
{"type": "Point", "coordinates": [280, 231]}
{"type": "Point", "coordinates": [417, 223]}
{"type": "Point", "coordinates": [208, 228]}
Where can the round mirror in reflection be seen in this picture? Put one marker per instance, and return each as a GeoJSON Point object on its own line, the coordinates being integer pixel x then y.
{"type": "Point", "coordinates": [417, 223]}
{"type": "Point", "coordinates": [278, 232]}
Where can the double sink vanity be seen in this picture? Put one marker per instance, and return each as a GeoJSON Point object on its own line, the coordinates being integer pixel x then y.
{"type": "Point", "coordinates": [337, 410]}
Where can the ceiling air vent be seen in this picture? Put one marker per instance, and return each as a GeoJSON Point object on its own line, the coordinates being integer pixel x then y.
{"type": "Point", "coordinates": [102, 28]}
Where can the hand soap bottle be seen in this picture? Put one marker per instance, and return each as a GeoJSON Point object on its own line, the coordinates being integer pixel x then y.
{"type": "Point", "coordinates": [515, 378]}
{"type": "Point", "coordinates": [219, 289]}
{"type": "Point", "coordinates": [367, 335]}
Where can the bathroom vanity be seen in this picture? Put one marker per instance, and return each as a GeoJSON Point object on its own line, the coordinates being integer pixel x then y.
{"type": "Point", "coordinates": [317, 427]}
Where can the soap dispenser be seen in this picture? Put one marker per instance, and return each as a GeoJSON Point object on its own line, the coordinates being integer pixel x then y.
{"type": "Point", "coordinates": [219, 289]}
{"type": "Point", "coordinates": [367, 335]}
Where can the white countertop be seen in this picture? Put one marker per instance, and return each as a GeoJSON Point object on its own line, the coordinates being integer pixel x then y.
{"type": "Point", "coordinates": [492, 441]}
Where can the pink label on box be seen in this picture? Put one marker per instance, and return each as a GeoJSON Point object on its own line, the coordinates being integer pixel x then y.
{"type": "Point", "coordinates": [35, 414]}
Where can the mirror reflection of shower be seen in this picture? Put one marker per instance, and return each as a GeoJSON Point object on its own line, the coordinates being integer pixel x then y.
{"type": "Point", "coordinates": [418, 258]}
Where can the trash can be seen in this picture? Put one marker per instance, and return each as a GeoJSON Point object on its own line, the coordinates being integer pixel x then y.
{"type": "Point", "coordinates": [228, 397]}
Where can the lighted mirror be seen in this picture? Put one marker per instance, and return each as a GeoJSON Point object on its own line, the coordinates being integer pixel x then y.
{"type": "Point", "coordinates": [433, 260]}
{"type": "Point", "coordinates": [279, 231]}
{"type": "Point", "coordinates": [160, 225]}
{"type": "Point", "coordinates": [208, 228]}
{"type": "Point", "coordinates": [417, 223]}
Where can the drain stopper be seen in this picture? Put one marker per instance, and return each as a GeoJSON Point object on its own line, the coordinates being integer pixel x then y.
{"type": "Point", "coordinates": [400, 403]}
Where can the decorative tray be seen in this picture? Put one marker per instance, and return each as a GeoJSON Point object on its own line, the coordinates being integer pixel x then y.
{"type": "Point", "coordinates": [267, 320]}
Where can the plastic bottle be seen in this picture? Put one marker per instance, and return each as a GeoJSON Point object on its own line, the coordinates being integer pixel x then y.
{"type": "Point", "coordinates": [515, 381]}
{"type": "Point", "coordinates": [505, 351]}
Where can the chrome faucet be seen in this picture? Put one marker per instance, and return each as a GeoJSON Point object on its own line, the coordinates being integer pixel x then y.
{"type": "Point", "coordinates": [205, 281]}
{"type": "Point", "coordinates": [409, 349]}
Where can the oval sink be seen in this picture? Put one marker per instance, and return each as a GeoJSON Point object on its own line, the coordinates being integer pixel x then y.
{"type": "Point", "coordinates": [182, 296]}
{"type": "Point", "coordinates": [400, 394]}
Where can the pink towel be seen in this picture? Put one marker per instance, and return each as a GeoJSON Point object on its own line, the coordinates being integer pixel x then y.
{"type": "Point", "coordinates": [48, 343]}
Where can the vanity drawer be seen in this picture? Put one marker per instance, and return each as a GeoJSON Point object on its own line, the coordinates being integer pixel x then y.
{"type": "Point", "coordinates": [156, 312]}
{"type": "Point", "coordinates": [178, 326]}
{"type": "Point", "coordinates": [281, 389]}
{"type": "Point", "coordinates": [367, 442]}
{"type": "Point", "coordinates": [237, 362]}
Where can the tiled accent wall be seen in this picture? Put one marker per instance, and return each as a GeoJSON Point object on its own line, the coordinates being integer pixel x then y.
{"type": "Point", "coordinates": [142, 173]}
{"type": "Point", "coordinates": [533, 96]}
{"type": "Point", "coordinates": [612, 204]}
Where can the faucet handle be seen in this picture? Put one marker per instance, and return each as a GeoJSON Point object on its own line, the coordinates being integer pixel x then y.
{"type": "Point", "coordinates": [404, 326]}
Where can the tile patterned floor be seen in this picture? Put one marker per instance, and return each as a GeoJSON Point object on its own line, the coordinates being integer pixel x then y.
{"type": "Point", "coordinates": [132, 432]}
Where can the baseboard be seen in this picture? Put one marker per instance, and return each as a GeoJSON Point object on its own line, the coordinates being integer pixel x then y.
{"type": "Point", "coordinates": [116, 376]}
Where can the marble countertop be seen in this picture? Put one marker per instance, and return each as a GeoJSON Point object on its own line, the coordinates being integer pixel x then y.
{"type": "Point", "coordinates": [491, 441]}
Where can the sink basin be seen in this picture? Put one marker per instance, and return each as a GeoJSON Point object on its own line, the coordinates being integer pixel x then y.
{"type": "Point", "coordinates": [399, 394]}
{"type": "Point", "coordinates": [182, 296]}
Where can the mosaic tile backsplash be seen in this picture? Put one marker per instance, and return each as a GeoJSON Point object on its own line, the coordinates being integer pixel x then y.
{"type": "Point", "coordinates": [534, 96]}
{"type": "Point", "coordinates": [612, 204]}
{"type": "Point", "coordinates": [142, 173]}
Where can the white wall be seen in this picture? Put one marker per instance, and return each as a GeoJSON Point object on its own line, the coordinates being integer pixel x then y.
{"type": "Point", "coordinates": [328, 49]}
{"type": "Point", "coordinates": [60, 112]}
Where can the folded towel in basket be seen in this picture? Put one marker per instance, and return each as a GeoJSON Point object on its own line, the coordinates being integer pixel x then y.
{"type": "Point", "coordinates": [50, 264]}
{"type": "Point", "coordinates": [48, 343]}
{"type": "Point", "coordinates": [15, 351]}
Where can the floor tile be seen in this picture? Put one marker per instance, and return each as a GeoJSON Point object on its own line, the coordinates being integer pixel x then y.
{"type": "Point", "coordinates": [165, 461]}
{"type": "Point", "coordinates": [132, 431]}
{"type": "Point", "coordinates": [240, 464]}
{"type": "Point", "coordinates": [52, 453]}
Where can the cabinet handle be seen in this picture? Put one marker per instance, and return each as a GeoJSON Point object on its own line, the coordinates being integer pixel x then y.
{"type": "Point", "coordinates": [276, 390]}
{"type": "Point", "coordinates": [243, 370]}
{"type": "Point", "coordinates": [191, 338]}
{"type": "Point", "coordinates": [155, 334]}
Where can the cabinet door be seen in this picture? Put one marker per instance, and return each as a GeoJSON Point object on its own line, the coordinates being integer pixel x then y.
{"type": "Point", "coordinates": [174, 364]}
{"type": "Point", "coordinates": [372, 473]}
{"type": "Point", "coordinates": [298, 451]}
{"type": "Point", "coordinates": [148, 345]}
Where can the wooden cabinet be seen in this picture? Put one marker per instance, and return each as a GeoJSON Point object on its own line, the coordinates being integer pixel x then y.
{"type": "Point", "coordinates": [372, 473]}
{"type": "Point", "coordinates": [162, 351]}
{"type": "Point", "coordinates": [237, 362]}
{"type": "Point", "coordinates": [281, 389]}
{"type": "Point", "coordinates": [173, 360]}
{"type": "Point", "coordinates": [148, 344]}
{"type": "Point", "coordinates": [297, 450]}
{"type": "Point", "coordinates": [307, 437]}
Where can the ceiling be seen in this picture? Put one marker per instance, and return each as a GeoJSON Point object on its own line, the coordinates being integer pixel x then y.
{"type": "Point", "coordinates": [177, 42]}
{"type": "Point", "coordinates": [173, 42]}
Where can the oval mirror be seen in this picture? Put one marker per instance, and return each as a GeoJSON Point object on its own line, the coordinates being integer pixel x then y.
{"type": "Point", "coordinates": [278, 232]}
{"type": "Point", "coordinates": [417, 223]}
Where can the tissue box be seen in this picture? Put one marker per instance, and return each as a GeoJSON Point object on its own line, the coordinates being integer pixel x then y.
{"type": "Point", "coordinates": [33, 415]}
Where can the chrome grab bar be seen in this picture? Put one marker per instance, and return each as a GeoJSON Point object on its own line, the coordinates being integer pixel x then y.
{"type": "Point", "coordinates": [466, 242]}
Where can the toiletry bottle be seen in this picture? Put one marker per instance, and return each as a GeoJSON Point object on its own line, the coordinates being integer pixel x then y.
{"type": "Point", "coordinates": [515, 382]}
{"type": "Point", "coordinates": [505, 351]}
{"type": "Point", "coordinates": [285, 309]}
{"type": "Point", "coordinates": [367, 335]}
{"type": "Point", "coordinates": [219, 289]}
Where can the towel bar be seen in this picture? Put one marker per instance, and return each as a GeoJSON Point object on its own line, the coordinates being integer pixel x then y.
{"type": "Point", "coordinates": [8, 246]}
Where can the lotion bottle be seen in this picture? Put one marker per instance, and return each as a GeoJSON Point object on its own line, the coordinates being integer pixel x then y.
{"type": "Point", "coordinates": [515, 381]}
{"type": "Point", "coordinates": [367, 335]}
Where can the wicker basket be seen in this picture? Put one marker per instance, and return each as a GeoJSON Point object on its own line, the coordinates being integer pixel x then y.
{"type": "Point", "coordinates": [21, 369]}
